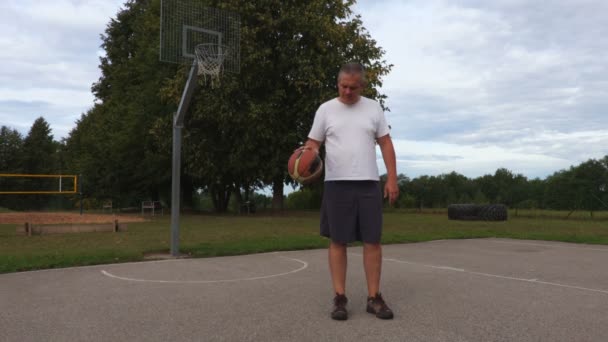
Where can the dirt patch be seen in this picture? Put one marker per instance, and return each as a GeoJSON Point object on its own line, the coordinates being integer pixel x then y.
{"type": "Point", "coordinates": [52, 218]}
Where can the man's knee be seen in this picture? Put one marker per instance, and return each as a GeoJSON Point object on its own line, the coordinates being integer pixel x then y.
{"type": "Point", "coordinates": [372, 246]}
{"type": "Point", "coordinates": [337, 245]}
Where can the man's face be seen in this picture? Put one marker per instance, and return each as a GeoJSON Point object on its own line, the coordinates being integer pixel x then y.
{"type": "Point", "coordinates": [349, 88]}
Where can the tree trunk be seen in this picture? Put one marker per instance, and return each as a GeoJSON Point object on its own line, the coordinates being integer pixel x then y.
{"type": "Point", "coordinates": [187, 192]}
{"type": "Point", "coordinates": [214, 197]}
{"type": "Point", "coordinates": [277, 194]}
{"type": "Point", "coordinates": [220, 194]}
{"type": "Point", "coordinates": [238, 197]}
{"type": "Point", "coordinates": [227, 193]}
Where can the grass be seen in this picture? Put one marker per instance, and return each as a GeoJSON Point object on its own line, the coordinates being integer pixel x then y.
{"type": "Point", "coordinates": [203, 236]}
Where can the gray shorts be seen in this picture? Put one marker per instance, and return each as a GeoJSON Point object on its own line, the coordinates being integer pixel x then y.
{"type": "Point", "coordinates": [352, 211]}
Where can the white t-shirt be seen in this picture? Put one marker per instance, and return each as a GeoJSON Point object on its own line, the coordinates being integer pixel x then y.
{"type": "Point", "coordinates": [350, 133]}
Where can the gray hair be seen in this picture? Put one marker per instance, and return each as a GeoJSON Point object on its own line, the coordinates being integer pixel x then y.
{"type": "Point", "coordinates": [353, 68]}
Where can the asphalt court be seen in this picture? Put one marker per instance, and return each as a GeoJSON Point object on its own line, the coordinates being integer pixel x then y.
{"type": "Point", "coordinates": [447, 290]}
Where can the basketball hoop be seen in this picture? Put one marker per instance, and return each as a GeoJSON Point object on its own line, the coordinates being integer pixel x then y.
{"type": "Point", "coordinates": [210, 59]}
{"type": "Point", "coordinates": [190, 30]}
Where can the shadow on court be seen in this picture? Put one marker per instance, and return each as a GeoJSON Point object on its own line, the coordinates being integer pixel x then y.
{"type": "Point", "coordinates": [448, 290]}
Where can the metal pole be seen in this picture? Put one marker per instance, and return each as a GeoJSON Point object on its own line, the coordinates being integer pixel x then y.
{"type": "Point", "coordinates": [80, 192]}
{"type": "Point", "coordinates": [178, 124]}
{"type": "Point", "coordinates": [175, 189]}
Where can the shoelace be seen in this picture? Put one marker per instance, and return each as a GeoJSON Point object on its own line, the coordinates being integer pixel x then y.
{"type": "Point", "coordinates": [378, 300]}
{"type": "Point", "coordinates": [340, 300]}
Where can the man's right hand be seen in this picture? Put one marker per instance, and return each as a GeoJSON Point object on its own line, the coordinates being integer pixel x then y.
{"type": "Point", "coordinates": [312, 144]}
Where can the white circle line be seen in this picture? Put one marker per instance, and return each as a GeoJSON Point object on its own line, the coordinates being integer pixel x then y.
{"type": "Point", "coordinates": [304, 266]}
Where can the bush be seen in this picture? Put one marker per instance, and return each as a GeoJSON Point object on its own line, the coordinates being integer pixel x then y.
{"type": "Point", "coordinates": [304, 199]}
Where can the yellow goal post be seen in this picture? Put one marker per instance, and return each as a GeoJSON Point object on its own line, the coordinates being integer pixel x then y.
{"type": "Point", "coordinates": [55, 184]}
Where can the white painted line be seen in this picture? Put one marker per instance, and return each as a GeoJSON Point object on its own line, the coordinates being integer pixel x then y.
{"type": "Point", "coordinates": [535, 281]}
{"type": "Point", "coordinates": [547, 245]}
{"type": "Point", "coordinates": [76, 268]}
{"type": "Point", "coordinates": [450, 268]}
{"type": "Point", "coordinates": [424, 265]}
{"type": "Point", "coordinates": [304, 266]}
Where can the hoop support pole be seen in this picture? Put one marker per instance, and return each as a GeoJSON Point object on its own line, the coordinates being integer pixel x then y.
{"type": "Point", "coordinates": [178, 124]}
{"type": "Point", "coordinates": [189, 89]}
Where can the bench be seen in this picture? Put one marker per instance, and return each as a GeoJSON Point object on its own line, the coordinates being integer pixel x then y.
{"type": "Point", "coordinates": [154, 206]}
{"type": "Point", "coordinates": [107, 205]}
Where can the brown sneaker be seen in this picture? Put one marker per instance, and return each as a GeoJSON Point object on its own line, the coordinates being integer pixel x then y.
{"type": "Point", "coordinates": [377, 306]}
{"type": "Point", "coordinates": [339, 312]}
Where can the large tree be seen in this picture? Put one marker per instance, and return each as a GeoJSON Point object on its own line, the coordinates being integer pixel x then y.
{"type": "Point", "coordinates": [242, 133]}
{"type": "Point", "coordinates": [113, 144]}
{"type": "Point", "coordinates": [39, 148]}
{"type": "Point", "coordinates": [11, 143]}
{"type": "Point", "coordinates": [11, 146]}
{"type": "Point", "coordinates": [592, 177]}
{"type": "Point", "coordinates": [38, 156]}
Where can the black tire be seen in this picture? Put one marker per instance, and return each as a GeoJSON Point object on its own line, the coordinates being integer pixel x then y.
{"type": "Point", "coordinates": [486, 212]}
{"type": "Point", "coordinates": [462, 211]}
{"type": "Point", "coordinates": [493, 212]}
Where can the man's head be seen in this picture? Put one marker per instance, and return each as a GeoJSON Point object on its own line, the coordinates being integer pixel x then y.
{"type": "Point", "coordinates": [351, 81]}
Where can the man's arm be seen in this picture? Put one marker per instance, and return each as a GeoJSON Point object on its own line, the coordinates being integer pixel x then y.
{"type": "Point", "coordinates": [391, 190]}
{"type": "Point", "coordinates": [313, 144]}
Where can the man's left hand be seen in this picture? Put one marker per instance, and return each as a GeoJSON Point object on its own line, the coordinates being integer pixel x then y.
{"type": "Point", "coordinates": [391, 190]}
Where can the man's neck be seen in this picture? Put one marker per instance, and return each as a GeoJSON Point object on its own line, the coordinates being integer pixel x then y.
{"type": "Point", "coordinates": [349, 103]}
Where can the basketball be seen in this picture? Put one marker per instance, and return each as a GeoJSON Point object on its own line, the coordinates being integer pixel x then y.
{"type": "Point", "coordinates": [305, 166]}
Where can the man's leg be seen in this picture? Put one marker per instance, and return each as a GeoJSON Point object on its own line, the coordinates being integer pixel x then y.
{"type": "Point", "coordinates": [372, 262]}
{"type": "Point", "coordinates": [337, 266]}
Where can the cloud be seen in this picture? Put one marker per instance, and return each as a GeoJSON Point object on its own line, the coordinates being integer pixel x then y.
{"type": "Point", "coordinates": [525, 81]}
{"type": "Point", "coordinates": [61, 118]}
{"type": "Point", "coordinates": [415, 158]}
{"type": "Point", "coordinates": [476, 84]}
{"type": "Point", "coordinates": [50, 52]}
{"type": "Point", "coordinates": [66, 14]}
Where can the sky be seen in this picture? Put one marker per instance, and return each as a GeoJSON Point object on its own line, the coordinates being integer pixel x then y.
{"type": "Point", "coordinates": [475, 85]}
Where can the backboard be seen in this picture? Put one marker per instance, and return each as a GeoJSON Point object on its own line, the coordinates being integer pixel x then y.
{"type": "Point", "coordinates": [187, 23]}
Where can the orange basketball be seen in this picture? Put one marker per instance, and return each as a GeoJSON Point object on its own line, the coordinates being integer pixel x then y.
{"type": "Point", "coordinates": [305, 166]}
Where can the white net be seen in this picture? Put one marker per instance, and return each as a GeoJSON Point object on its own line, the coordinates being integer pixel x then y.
{"type": "Point", "coordinates": [210, 58]}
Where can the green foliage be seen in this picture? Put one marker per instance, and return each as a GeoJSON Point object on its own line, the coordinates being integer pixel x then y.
{"type": "Point", "coordinates": [527, 204]}
{"type": "Point", "coordinates": [304, 199]}
{"type": "Point", "coordinates": [38, 154]}
{"type": "Point", "coordinates": [202, 202]}
{"type": "Point", "coordinates": [115, 145]}
{"type": "Point", "coordinates": [582, 187]}
{"type": "Point", "coordinates": [479, 198]}
{"type": "Point", "coordinates": [242, 133]}
{"type": "Point", "coordinates": [11, 148]}
{"type": "Point", "coordinates": [406, 201]}
{"type": "Point", "coordinates": [261, 201]}
{"type": "Point", "coordinates": [11, 145]}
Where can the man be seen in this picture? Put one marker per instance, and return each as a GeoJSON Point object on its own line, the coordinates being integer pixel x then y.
{"type": "Point", "coordinates": [350, 126]}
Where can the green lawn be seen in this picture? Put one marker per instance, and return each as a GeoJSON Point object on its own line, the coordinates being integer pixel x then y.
{"type": "Point", "coordinates": [203, 235]}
